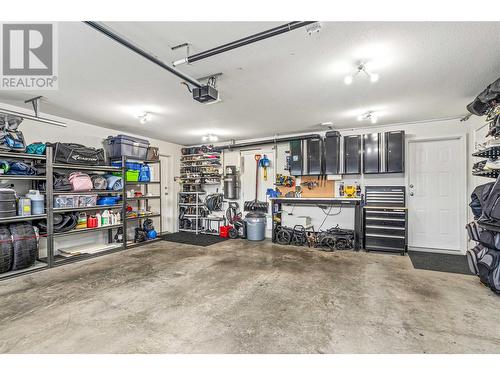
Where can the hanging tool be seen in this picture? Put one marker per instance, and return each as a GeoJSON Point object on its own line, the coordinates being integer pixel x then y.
{"type": "Point", "coordinates": [255, 205]}
{"type": "Point", "coordinates": [265, 163]}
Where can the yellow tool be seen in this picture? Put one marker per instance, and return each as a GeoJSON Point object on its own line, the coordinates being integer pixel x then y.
{"type": "Point", "coordinates": [350, 191]}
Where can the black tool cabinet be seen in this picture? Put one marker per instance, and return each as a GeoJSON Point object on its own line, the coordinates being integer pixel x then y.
{"type": "Point", "coordinates": [385, 219]}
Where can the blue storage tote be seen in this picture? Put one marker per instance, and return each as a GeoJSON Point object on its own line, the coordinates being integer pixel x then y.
{"type": "Point", "coordinates": [129, 165]}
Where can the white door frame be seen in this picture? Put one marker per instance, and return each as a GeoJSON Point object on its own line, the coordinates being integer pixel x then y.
{"type": "Point", "coordinates": [462, 179]}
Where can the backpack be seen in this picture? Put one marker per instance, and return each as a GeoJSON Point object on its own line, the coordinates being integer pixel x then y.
{"type": "Point", "coordinates": [80, 181]}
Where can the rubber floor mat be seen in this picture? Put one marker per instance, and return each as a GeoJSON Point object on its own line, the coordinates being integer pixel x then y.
{"type": "Point", "coordinates": [193, 239]}
{"type": "Point", "coordinates": [439, 262]}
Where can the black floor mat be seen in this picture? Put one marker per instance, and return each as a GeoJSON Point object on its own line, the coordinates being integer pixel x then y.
{"type": "Point", "coordinates": [439, 262]}
{"type": "Point", "coordinates": [193, 239]}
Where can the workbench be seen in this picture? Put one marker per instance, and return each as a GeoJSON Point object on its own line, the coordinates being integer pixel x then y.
{"type": "Point", "coordinates": [276, 206]}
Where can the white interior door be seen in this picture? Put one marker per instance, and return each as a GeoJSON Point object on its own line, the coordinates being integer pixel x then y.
{"type": "Point", "coordinates": [436, 193]}
{"type": "Point", "coordinates": [167, 195]}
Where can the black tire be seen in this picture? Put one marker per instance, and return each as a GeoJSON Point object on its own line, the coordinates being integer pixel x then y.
{"type": "Point", "coordinates": [6, 250]}
{"type": "Point", "coordinates": [327, 243]}
{"type": "Point", "coordinates": [283, 237]}
{"type": "Point", "coordinates": [233, 233]}
{"type": "Point", "coordinates": [25, 245]}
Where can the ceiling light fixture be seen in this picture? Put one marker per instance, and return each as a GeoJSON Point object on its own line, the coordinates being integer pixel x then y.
{"type": "Point", "coordinates": [370, 115]}
{"type": "Point", "coordinates": [374, 77]}
{"type": "Point", "coordinates": [209, 138]}
{"type": "Point", "coordinates": [144, 117]}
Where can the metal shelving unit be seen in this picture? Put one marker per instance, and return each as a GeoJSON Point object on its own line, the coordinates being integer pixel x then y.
{"type": "Point", "coordinates": [45, 162]}
{"type": "Point", "coordinates": [35, 161]}
{"type": "Point", "coordinates": [142, 199]}
{"type": "Point", "coordinates": [196, 217]}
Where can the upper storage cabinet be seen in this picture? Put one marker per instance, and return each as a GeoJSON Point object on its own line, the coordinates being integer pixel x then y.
{"type": "Point", "coordinates": [296, 158]}
{"type": "Point", "coordinates": [395, 152]}
{"type": "Point", "coordinates": [332, 153]}
{"type": "Point", "coordinates": [314, 152]}
{"type": "Point", "coordinates": [352, 154]}
{"type": "Point", "coordinates": [371, 153]}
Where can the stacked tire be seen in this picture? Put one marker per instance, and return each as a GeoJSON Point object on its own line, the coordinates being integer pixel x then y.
{"type": "Point", "coordinates": [18, 246]}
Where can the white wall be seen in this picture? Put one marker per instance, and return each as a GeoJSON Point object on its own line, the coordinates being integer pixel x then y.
{"type": "Point", "coordinates": [93, 136]}
{"type": "Point", "coordinates": [421, 130]}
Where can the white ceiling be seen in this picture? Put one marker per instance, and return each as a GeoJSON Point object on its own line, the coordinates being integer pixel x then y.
{"type": "Point", "coordinates": [280, 85]}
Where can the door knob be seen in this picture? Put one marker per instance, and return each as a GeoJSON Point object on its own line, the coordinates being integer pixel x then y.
{"type": "Point", "coordinates": [411, 186]}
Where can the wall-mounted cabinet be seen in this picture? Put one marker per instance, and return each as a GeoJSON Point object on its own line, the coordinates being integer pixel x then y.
{"type": "Point", "coordinates": [332, 153]}
{"type": "Point", "coordinates": [352, 154]}
{"type": "Point", "coordinates": [371, 153]}
{"type": "Point", "coordinates": [296, 158]}
{"type": "Point", "coordinates": [314, 156]}
{"type": "Point", "coordinates": [384, 152]}
{"type": "Point", "coordinates": [395, 152]}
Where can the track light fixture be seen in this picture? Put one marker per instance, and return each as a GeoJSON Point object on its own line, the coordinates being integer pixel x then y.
{"type": "Point", "coordinates": [370, 115]}
{"type": "Point", "coordinates": [361, 68]}
{"type": "Point", "coordinates": [144, 117]}
{"type": "Point", "coordinates": [209, 138]}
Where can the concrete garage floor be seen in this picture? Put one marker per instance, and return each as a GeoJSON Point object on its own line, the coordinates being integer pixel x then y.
{"type": "Point", "coordinates": [238, 297]}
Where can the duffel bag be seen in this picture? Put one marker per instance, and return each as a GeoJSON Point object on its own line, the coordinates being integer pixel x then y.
{"type": "Point", "coordinates": [74, 153]}
{"type": "Point", "coordinates": [486, 264]}
{"type": "Point", "coordinates": [478, 196]}
{"type": "Point", "coordinates": [99, 182]}
{"type": "Point", "coordinates": [489, 239]}
{"type": "Point", "coordinates": [6, 252]}
{"type": "Point", "coordinates": [80, 181]}
{"type": "Point", "coordinates": [25, 245]}
{"type": "Point", "coordinates": [37, 148]}
{"type": "Point", "coordinates": [61, 183]}
{"type": "Point", "coordinates": [12, 140]}
{"type": "Point", "coordinates": [490, 203]}
{"type": "Point", "coordinates": [473, 255]}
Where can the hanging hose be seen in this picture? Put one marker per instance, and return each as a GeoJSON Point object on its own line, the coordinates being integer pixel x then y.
{"type": "Point", "coordinates": [214, 202]}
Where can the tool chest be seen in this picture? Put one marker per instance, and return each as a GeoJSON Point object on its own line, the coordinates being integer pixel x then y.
{"type": "Point", "coordinates": [385, 219]}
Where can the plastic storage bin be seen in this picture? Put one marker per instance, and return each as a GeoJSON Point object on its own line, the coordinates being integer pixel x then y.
{"type": "Point", "coordinates": [129, 165]}
{"type": "Point", "coordinates": [132, 176]}
{"type": "Point", "coordinates": [124, 145]}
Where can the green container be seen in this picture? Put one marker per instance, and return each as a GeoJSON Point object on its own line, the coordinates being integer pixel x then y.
{"type": "Point", "coordinates": [132, 175]}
